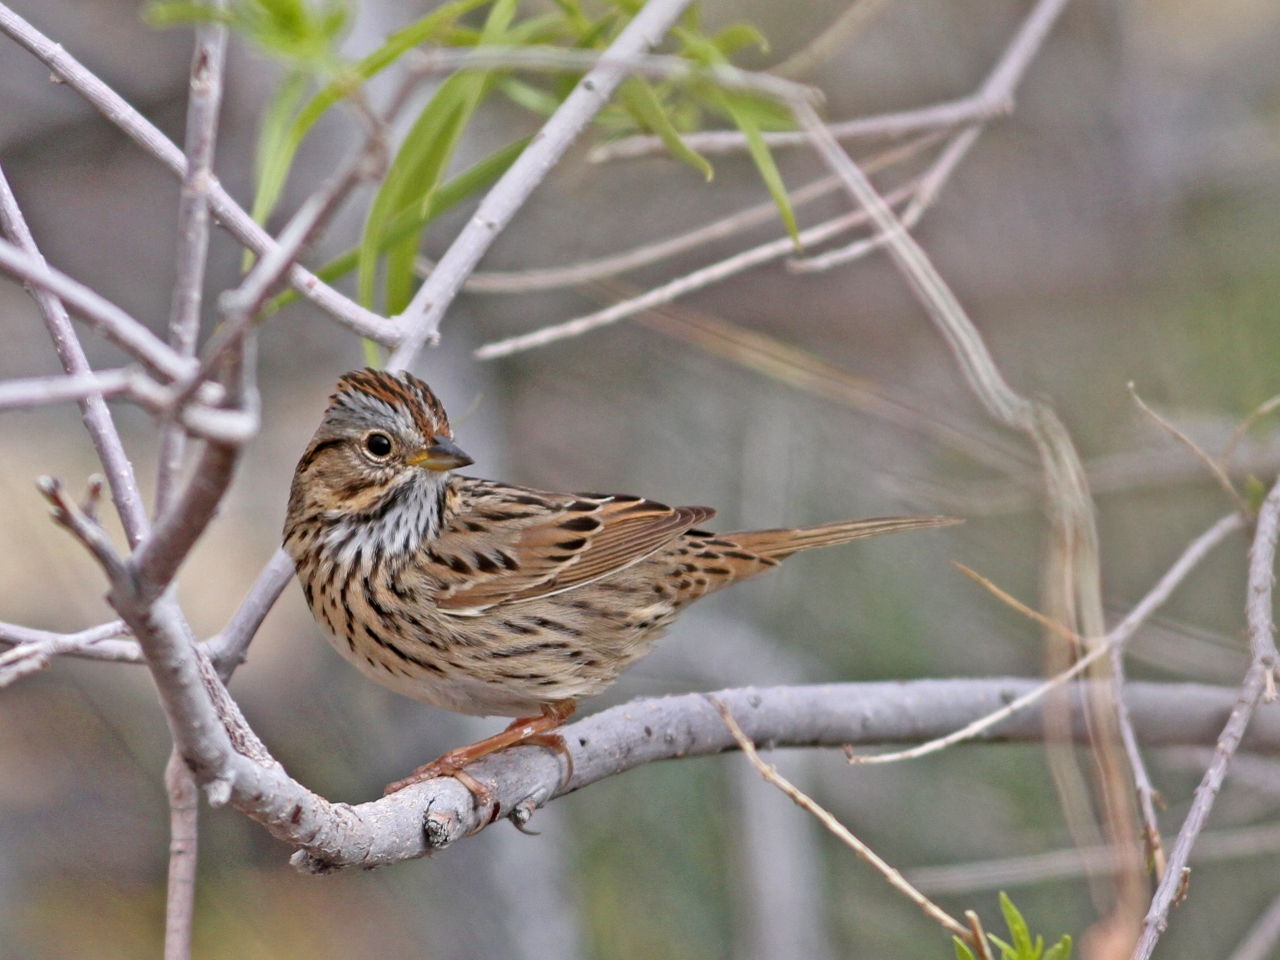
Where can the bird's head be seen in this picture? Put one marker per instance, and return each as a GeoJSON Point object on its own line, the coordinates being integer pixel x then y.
{"type": "Point", "coordinates": [384, 437]}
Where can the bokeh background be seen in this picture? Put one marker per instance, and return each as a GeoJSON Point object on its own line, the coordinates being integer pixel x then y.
{"type": "Point", "coordinates": [1122, 225]}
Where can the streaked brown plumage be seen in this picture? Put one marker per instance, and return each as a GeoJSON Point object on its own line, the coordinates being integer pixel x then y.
{"type": "Point", "coordinates": [489, 598]}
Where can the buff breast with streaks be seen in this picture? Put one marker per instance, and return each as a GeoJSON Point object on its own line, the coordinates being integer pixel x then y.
{"type": "Point", "coordinates": [489, 598]}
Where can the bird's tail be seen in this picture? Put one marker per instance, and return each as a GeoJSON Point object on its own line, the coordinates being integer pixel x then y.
{"type": "Point", "coordinates": [782, 543]}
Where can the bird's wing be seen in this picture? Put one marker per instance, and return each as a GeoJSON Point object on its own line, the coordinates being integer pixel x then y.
{"type": "Point", "coordinates": [506, 544]}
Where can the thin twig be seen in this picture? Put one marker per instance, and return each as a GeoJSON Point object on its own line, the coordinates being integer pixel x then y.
{"type": "Point", "coordinates": [552, 278]}
{"type": "Point", "coordinates": [1215, 469]}
{"type": "Point", "coordinates": [1258, 606]}
{"type": "Point", "coordinates": [227, 649]}
{"type": "Point", "coordinates": [1238, 434]}
{"type": "Point", "coordinates": [1148, 796]}
{"type": "Point", "coordinates": [895, 879]}
{"type": "Point", "coordinates": [78, 522]}
{"type": "Point", "coordinates": [420, 321]}
{"type": "Point", "coordinates": [198, 419]}
{"type": "Point", "coordinates": [33, 650]}
{"type": "Point", "coordinates": [978, 936]}
{"type": "Point", "coordinates": [673, 289]}
{"type": "Point", "coordinates": [41, 391]}
{"type": "Point", "coordinates": [204, 99]}
{"type": "Point", "coordinates": [1173, 881]}
{"type": "Point", "coordinates": [927, 190]}
{"type": "Point", "coordinates": [1051, 625]}
{"type": "Point", "coordinates": [941, 116]}
{"type": "Point", "coordinates": [1122, 631]}
{"type": "Point", "coordinates": [1258, 684]}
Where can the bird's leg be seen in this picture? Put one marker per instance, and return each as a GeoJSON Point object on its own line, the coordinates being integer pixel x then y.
{"type": "Point", "coordinates": [532, 731]}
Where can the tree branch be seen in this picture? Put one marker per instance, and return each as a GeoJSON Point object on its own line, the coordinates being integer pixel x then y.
{"type": "Point", "coordinates": [645, 731]}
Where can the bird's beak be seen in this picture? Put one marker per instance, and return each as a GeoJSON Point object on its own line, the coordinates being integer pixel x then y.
{"type": "Point", "coordinates": [443, 454]}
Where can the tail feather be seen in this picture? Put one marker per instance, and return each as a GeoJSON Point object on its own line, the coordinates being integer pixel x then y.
{"type": "Point", "coordinates": [782, 543]}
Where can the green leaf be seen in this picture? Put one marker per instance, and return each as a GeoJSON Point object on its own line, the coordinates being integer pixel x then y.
{"type": "Point", "coordinates": [413, 175]}
{"type": "Point", "coordinates": [526, 95]}
{"type": "Point", "coordinates": [739, 110]}
{"type": "Point", "coordinates": [767, 114]}
{"type": "Point", "coordinates": [737, 36]}
{"type": "Point", "coordinates": [393, 48]}
{"type": "Point", "coordinates": [419, 168]}
{"type": "Point", "coordinates": [271, 162]}
{"type": "Point", "coordinates": [172, 14]}
{"type": "Point", "coordinates": [764, 162]}
{"type": "Point", "coordinates": [1255, 491]}
{"type": "Point", "coordinates": [410, 222]}
{"type": "Point", "coordinates": [962, 951]}
{"type": "Point", "coordinates": [640, 99]}
{"type": "Point", "coordinates": [1060, 950]}
{"type": "Point", "coordinates": [1017, 928]}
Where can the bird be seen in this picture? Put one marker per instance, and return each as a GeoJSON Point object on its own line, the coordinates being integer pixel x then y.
{"type": "Point", "coordinates": [488, 598]}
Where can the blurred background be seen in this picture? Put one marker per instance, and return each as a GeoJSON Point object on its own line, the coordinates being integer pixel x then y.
{"type": "Point", "coordinates": [1123, 224]}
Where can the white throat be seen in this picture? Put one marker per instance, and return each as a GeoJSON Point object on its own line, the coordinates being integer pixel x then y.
{"type": "Point", "coordinates": [396, 526]}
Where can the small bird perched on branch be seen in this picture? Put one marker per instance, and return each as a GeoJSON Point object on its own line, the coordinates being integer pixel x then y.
{"type": "Point", "coordinates": [488, 598]}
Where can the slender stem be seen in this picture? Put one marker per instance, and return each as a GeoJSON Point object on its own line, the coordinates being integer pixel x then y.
{"type": "Point", "coordinates": [1178, 872]}
{"type": "Point", "coordinates": [846, 836]}
{"type": "Point", "coordinates": [228, 648]}
{"type": "Point", "coordinates": [671, 290]}
{"type": "Point", "coordinates": [32, 650]}
{"type": "Point", "coordinates": [40, 391]}
{"type": "Point", "coordinates": [1258, 684]}
{"type": "Point", "coordinates": [1258, 606]}
{"type": "Point", "coordinates": [572, 275]}
{"type": "Point", "coordinates": [203, 103]}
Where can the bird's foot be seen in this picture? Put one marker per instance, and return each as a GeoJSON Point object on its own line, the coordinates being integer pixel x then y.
{"type": "Point", "coordinates": [533, 731]}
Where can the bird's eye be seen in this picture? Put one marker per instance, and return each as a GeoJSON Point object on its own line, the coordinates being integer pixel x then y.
{"type": "Point", "coordinates": [378, 445]}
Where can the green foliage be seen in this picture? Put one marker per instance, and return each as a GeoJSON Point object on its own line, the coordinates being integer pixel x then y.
{"type": "Point", "coordinates": [304, 35]}
{"type": "Point", "coordinates": [743, 109]}
{"type": "Point", "coordinates": [1023, 946]}
{"type": "Point", "coordinates": [298, 31]}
